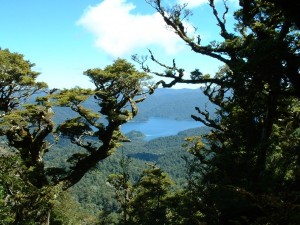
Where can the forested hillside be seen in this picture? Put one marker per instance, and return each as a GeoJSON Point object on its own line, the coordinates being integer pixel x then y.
{"type": "Point", "coordinates": [93, 192]}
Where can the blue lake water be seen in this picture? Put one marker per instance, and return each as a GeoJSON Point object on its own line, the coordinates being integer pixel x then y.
{"type": "Point", "coordinates": [159, 127]}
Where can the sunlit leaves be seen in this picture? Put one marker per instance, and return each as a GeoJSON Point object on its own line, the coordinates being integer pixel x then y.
{"type": "Point", "coordinates": [150, 198]}
{"type": "Point", "coordinates": [17, 80]}
{"type": "Point", "coordinates": [22, 201]}
{"type": "Point", "coordinates": [74, 96]}
{"type": "Point", "coordinates": [120, 78]}
{"type": "Point", "coordinates": [32, 116]}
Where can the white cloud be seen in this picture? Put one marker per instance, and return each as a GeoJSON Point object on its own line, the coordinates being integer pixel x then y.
{"type": "Point", "coordinates": [193, 3]}
{"type": "Point", "coordinates": [118, 31]}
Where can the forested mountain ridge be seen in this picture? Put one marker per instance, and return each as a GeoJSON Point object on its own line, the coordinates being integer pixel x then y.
{"type": "Point", "coordinates": [159, 104]}
{"type": "Point", "coordinates": [156, 105]}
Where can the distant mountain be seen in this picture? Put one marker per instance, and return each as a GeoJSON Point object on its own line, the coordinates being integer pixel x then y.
{"type": "Point", "coordinates": [176, 104]}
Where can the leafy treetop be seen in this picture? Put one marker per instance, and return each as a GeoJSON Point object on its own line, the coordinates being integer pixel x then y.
{"type": "Point", "coordinates": [17, 80]}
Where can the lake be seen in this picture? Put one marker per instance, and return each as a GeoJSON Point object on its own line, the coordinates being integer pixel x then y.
{"type": "Point", "coordinates": [159, 127]}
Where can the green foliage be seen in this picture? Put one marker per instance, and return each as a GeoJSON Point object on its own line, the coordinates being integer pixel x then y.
{"type": "Point", "coordinates": [74, 127]}
{"type": "Point", "coordinates": [26, 130]}
{"type": "Point", "coordinates": [94, 193]}
{"type": "Point", "coordinates": [107, 218]}
{"type": "Point", "coordinates": [120, 78]}
{"type": "Point", "coordinates": [66, 210]}
{"type": "Point", "coordinates": [21, 202]}
{"type": "Point", "coordinates": [29, 129]}
{"type": "Point", "coordinates": [73, 97]}
{"type": "Point", "coordinates": [249, 165]}
{"type": "Point", "coordinates": [18, 80]}
{"type": "Point", "coordinates": [122, 186]}
{"type": "Point", "coordinates": [6, 212]}
{"type": "Point", "coordinates": [149, 202]}
{"type": "Point", "coordinates": [117, 86]}
{"type": "Point", "coordinates": [250, 160]}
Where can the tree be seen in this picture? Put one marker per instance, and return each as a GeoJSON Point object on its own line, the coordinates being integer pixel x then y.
{"type": "Point", "coordinates": [30, 130]}
{"type": "Point", "coordinates": [187, 205]}
{"type": "Point", "coordinates": [24, 128]}
{"type": "Point", "coordinates": [148, 205]}
{"type": "Point", "coordinates": [123, 186]}
{"type": "Point", "coordinates": [6, 214]}
{"type": "Point", "coordinates": [118, 89]}
{"type": "Point", "coordinates": [261, 28]}
{"type": "Point", "coordinates": [20, 201]}
{"type": "Point", "coordinates": [68, 211]}
{"type": "Point", "coordinates": [252, 159]}
{"type": "Point", "coordinates": [26, 180]}
{"type": "Point", "coordinates": [18, 80]}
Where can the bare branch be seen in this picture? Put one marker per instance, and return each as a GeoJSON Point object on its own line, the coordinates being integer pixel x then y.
{"type": "Point", "coordinates": [173, 72]}
{"type": "Point", "coordinates": [224, 33]}
{"type": "Point", "coordinates": [174, 19]}
{"type": "Point", "coordinates": [208, 121]}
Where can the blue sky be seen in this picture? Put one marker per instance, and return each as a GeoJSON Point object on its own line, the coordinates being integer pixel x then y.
{"type": "Point", "coordinates": [66, 37]}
